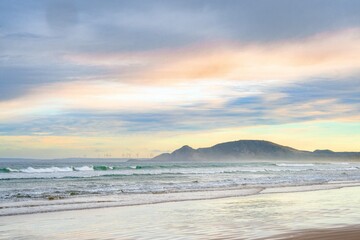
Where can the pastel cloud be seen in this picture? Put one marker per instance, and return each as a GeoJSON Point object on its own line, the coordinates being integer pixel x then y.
{"type": "Point", "coordinates": [327, 55]}
{"type": "Point", "coordinates": [113, 96]}
{"type": "Point", "coordinates": [96, 108]}
{"type": "Point", "coordinates": [89, 76]}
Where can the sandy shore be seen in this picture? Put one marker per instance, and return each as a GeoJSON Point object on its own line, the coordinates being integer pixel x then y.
{"type": "Point", "coordinates": [92, 202]}
{"type": "Point", "coordinates": [327, 213]}
{"type": "Point", "coordinates": [344, 233]}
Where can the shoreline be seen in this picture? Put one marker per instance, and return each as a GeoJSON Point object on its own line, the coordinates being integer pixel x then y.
{"type": "Point", "coordinates": [311, 215]}
{"type": "Point", "coordinates": [334, 233]}
{"type": "Point", "coordinates": [126, 200]}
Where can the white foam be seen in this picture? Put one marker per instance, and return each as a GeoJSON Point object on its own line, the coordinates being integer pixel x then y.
{"type": "Point", "coordinates": [89, 202]}
{"type": "Point", "coordinates": [84, 168]}
{"type": "Point", "coordinates": [46, 170]}
{"type": "Point", "coordinates": [294, 164]}
{"type": "Point", "coordinates": [12, 170]}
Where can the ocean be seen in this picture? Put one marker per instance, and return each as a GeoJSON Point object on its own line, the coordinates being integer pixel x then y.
{"type": "Point", "coordinates": [31, 186]}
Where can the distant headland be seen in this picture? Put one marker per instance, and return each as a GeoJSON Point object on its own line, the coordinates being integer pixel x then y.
{"type": "Point", "coordinates": [251, 149]}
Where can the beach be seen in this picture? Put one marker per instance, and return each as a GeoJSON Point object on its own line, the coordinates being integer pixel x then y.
{"type": "Point", "coordinates": [37, 186]}
{"type": "Point", "coordinates": [179, 120]}
{"type": "Point", "coordinates": [348, 233]}
{"type": "Point", "coordinates": [318, 214]}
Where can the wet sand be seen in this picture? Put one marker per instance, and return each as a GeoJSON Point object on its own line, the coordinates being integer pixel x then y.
{"type": "Point", "coordinates": [344, 233]}
{"type": "Point", "coordinates": [329, 214]}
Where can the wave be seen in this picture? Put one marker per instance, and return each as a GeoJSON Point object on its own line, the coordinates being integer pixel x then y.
{"type": "Point", "coordinates": [77, 169]}
{"type": "Point", "coordinates": [46, 170]}
{"type": "Point", "coordinates": [171, 169]}
{"type": "Point", "coordinates": [77, 202]}
{"type": "Point", "coordinates": [294, 164]}
{"type": "Point", "coordinates": [101, 168]}
{"type": "Point", "coordinates": [8, 170]}
{"type": "Point", "coordinates": [83, 168]}
{"type": "Point", "coordinates": [120, 174]}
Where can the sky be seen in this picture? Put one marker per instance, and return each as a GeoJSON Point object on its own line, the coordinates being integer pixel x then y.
{"type": "Point", "coordinates": [139, 78]}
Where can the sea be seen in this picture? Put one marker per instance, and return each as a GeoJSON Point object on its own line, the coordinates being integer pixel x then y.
{"type": "Point", "coordinates": [32, 186]}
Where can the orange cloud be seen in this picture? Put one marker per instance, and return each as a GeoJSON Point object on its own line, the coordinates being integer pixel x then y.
{"type": "Point", "coordinates": [322, 55]}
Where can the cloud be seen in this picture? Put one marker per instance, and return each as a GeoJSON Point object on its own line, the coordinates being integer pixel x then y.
{"type": "Point", "coordinates": [165, 41]}
{"type": "Point", "coordinates": [323, 55]}
{"type": "Point", "coordinates": [106, 96]}
{"type": "Point", "coordinates": [124, 68]}
{"type": "Point", "coordinates": [115, 109]}
{"type": "Point", "coordinates": [146, 25]}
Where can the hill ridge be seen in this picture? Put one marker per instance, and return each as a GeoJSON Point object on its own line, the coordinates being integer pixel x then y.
{"type": "Point", "coordinates": [250, 149]}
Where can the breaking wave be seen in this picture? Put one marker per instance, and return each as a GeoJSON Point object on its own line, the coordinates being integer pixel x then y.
{"type": "Point", "coordinates": [294, 164]}
{"type": "Point", "coordinates": [82, 168]}
{"type": "Point", "coordinates": [55, 169]}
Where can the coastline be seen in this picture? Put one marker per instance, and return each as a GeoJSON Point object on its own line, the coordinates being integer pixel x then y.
{"type": "Point", "coordinates": [336, 233]}
{"type": "Point", "coordinates": [126, 200]}
{"type": "Point", "coordinates": [291, 215]}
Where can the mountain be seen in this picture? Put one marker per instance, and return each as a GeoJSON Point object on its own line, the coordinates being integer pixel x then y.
{"type": "Point", "coordinates": [251, 149]}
